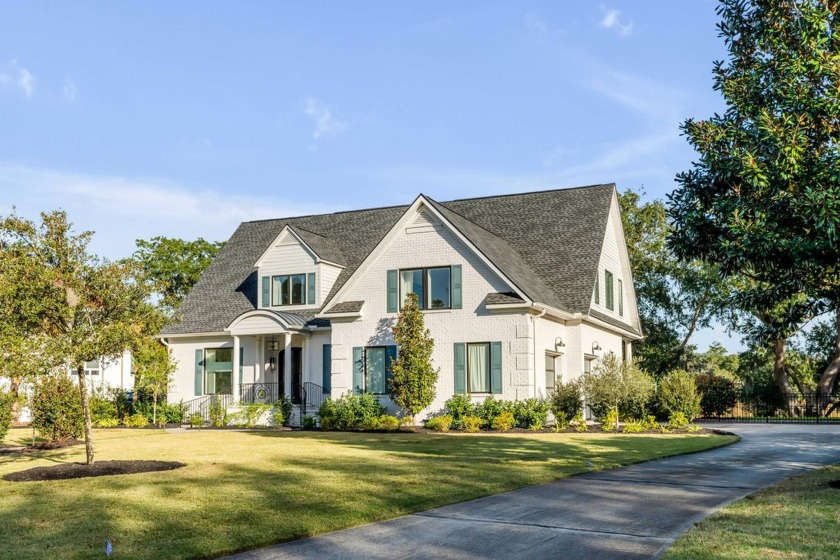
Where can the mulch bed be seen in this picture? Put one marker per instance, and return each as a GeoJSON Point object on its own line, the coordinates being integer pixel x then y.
{"type": "Point", "coordinates": [80, 470]}
{"type": "Point", "coordinates": [40, 446]}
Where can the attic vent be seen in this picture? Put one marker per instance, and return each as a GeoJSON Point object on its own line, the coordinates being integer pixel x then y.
{"type": "Point", "coordinates": [424, 218]}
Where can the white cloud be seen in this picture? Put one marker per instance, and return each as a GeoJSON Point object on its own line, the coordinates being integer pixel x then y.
{"type": "Point", "coordinates": [25, 79]}
{"type": "Point", "coordinates": [121, 210]}
{"type": "Point", "coordinates": [69, 90]}
{"type": "Point", "coordinates": [612, 21]}
{"type": "Point", "coordinates": [325, 123]}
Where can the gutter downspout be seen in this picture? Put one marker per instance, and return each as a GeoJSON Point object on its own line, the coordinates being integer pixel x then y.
{"type": "Point", "coordinates": [534, 333]}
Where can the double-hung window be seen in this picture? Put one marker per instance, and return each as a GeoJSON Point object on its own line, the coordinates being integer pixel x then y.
{"type": "Point", "coordinates": [218, 371]}
{"type": "Point", "coordinates": [375, 370]}
{"type": "Point", "coordinates": [550, 371]}
{"type": "Point", "coordinates": [620, 298]}
{"type": "Point", "coordinates": [433, 286]}
{"type": "Point", "coordinates": [288, 289]}
{"type": "Point", "coordinates": [608, 289]}
{"type": "Point", "coordinates": [478, 367]}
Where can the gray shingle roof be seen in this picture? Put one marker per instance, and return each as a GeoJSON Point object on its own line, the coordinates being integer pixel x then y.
{"type": "Point", "coordinates": [346, 307]}
{"type": "Point", "coordinates": [503, 298]}
{"type": "Point", "coordinates": [548, 243]}
{"type": "Point", "coordinates": [614, 321]}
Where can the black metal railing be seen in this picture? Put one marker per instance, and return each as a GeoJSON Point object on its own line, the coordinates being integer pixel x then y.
{"type": "Point", "coordinates": [259, 393]}
{"type": "Point", "coordinates": [779, 409]}
{"type": "Point", "coordinates": [201, 406]}
{"type": "Point", "coordinates": [312, 397]}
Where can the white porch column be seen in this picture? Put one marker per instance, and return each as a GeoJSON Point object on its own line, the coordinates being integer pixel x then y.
{"type": "Point", "coordinates": [287, 364]}
{"type": "Point", "coordinates": [259, 368]}
{"type": "Point", "coordinates": [236, 366]}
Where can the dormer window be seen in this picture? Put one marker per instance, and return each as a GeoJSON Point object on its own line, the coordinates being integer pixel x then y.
{"type": "Point", "coordinates": [288, 289]}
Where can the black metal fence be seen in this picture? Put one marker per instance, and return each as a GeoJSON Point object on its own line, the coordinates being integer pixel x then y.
{"type": "Point", "coordinates": [312, 398]}
{"type": "Point", "coordinates": [780, 409]}
{"type": "Point", "coordinates": [201, 406]}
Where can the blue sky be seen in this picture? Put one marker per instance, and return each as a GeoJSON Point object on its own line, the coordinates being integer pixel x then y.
{"type": "Point", "coordinates": [185, 118]}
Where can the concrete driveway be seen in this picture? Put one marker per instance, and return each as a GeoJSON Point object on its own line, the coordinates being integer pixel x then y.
{"type": "Point", "coordinates": [631, 512]}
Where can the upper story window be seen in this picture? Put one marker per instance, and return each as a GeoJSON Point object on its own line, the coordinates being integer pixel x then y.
{"type": "Point", "coordinates": [608, 290]}
{"type": "Point", "coordinates": [620, 298]}
{"type": "Point", "coordinates": [91, 368]}
{"type": "Point", "coordinates": [288, 289]}
{"type": "Point", "coordinates": [433, 286]}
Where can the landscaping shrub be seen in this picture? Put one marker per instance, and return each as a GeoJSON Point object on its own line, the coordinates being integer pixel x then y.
{"type": "Point", "coordinates": [278, 419]}
{"type": "Point", "coordinates": [677, 421]}
{"type": "Point", "coordinates": [650, 422]}
{"type": "Point", "coordinates": [106, 423]}
{"type": "Point", "coordinates": [135, 421]}
{"type": "Point", "coordinates": [196, 421]}
{"type": "Point", "coordinates": [580, 422]}
{"type": "Point", "coordinates": [350, 412]}
{"type": "Point", "coordinates": [691, 428]}
{"type": "Point", "coordinates": [561, 421]}
{"type": "Point", "coordinates": [459, 407]}
{"type": "Point", "coordinates": [634, 427]}
{"type": "Point", "coordinates": [489, 410]}
{"type": "Point", "coordinates": [171, 413]}
{"type": "Point", "coordinates": [218, 414]}
{"type": "Point", "coordinates": [503, 422]}
{"type": "Point", "coordinates": [252, 413]}
{"type": "Point", "coordinates": [719, 394]}
{"type": "Point", "coordinates": [407, 423]}
{"type": "Point", "coordinates": [102, 407]}
{"type": "Point", "coordinates": [618, 386]}
{"type": "Point", "coordinates": [566, 399]}
{"type": "Point", "coordinates": [677, 392]}
{"type": "Point", "coordinates": [308, 423]}
{"type": "Point", "coordinates": [439, 423]}
{"type": "Point", "coordinates": [388, 423]}
{"type": "Point", "coordinates": [57, 408]}
{"type": "Point", "coordinates": [530, 413]}
{"type": "Point", "coordinates": [6, 400]}
{"type": "Point", "coordinates": [286, 407]}
{"type": "Point", "coordinates": [609, 421]}
{"type": "Point", "coordinates": [471, 424]}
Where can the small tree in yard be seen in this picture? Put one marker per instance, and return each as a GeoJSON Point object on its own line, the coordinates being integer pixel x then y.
{"type": "Point", "coordinates": [616, 384]}
{"type": "Point", "coordinates": [154, 369]}
{"type": "Point", "coordinates": [413, 379]}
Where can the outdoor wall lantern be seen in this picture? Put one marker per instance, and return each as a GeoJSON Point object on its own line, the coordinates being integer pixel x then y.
{"type": "Point", "coordinates": [596, 347]}
{"type": "Point", "coordinates": [273, 345]}
{"type": "Point", "coordinates": [272, 363]}
{"type": "Point", "coordinates": [558, 343]}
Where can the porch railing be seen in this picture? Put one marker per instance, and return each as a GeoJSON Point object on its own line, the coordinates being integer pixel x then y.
{"type": "Point", "coordinates": [259, 393]}
{"type": "Point", "coordinates": [312, 397]}
{"type": "Point", "coordinates": [201, 406]}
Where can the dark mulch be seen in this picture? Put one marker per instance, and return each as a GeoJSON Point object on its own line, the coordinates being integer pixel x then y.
{"type": "Point", "coordinates": [80, 470]}
{"type": "Point", "coordinates": [834, 484]}
{"type": "Point", "coordinates": [44, 445]}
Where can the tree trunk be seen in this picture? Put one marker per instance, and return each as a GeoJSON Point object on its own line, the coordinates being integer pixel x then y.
{"type": "Point", "coordinates": [696, 317]}
{"type": "Point", "coordinates": [14, 390]}
{"type": "Point", "coordinates": [80, 369]}
{"type": "Point", "coordinates": [154, 410]}
{"type": "Point", "coordinates": [779, 371]}
{"type": "Point", "coordinates": [829, 376]}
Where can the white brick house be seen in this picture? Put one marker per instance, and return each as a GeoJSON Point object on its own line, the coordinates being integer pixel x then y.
{"type": "Point", "coordinates": [517, 291]}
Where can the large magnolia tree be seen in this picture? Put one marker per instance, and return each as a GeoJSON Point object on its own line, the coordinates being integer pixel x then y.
{"type": "Point", "coordinates": [763, 200]}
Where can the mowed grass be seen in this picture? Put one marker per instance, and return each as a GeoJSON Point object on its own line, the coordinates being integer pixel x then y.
{"type": "Point", "coordinates": [797, 518]}
{"type": "Point", "coordinates": [242, 490]}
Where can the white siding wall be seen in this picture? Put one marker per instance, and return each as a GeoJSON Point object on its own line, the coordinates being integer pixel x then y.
{"type": "Point", "coordinates": [547, 332]}
{"type": "Point", "coordinates": [183, 351]}
{"type": "Point", "coordinates": [429, 245]}
{"type": "Point", "coordinates": [327, 275]}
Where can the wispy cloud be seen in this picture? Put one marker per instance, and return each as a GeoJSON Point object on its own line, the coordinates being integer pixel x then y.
{"type": "Point", "coordinates": [123, 209]}
{"type": "Point", "coordinates": [612, 21]}
{"type": "Point", "coordinates": [325, 123]}
{"type": "Point", "coordinates": [69, 90]}
{"type": "Point", "coordinates": [20, 77]}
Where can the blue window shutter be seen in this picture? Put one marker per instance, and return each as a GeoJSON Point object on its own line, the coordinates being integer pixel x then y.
{"type": "Point", "coordinates": [326, 367]}
{"type": "Point", "coordinates": [460, 368]}
{"type": "Point", "coordinates": [456, 286]}
{"type": "Point", "coordinates": [310, 288]}
{"type": "Point", "coordinates": [266, 291]}
{"type": "Point", "coordinates": [358, 369]}
{"type": "Point", "coordinates": [199, 372]}
{"type": "Point", "coordinates": [392, 291]}
{"type": "Point", "coordinates": [241, 366]}
{"type": "Point", "coordinates": [496, 367]}
{"type": "Point", "coordinates": [390, 356]}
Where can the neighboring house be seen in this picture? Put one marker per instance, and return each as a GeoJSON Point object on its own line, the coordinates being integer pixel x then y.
{"type": "Point", "coordinates": [518, 290]}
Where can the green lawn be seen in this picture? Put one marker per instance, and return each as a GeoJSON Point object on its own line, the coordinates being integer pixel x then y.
{"type": "Point", "coordinates": [243, 490]}
{"type": "Point", "coordinates": [797, 518]}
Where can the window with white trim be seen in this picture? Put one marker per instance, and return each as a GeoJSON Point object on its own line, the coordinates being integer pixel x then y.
{"type": "Point", "coordinates": [433, 286]}
{"type": "Point", "coordinates": [550, 370]}
{"type": "Point", "coordinates": [478, 367]}
{"type": "Point", "coordinates": [288, 289]}
{"type": "Point", "coordinates": [218, 371]}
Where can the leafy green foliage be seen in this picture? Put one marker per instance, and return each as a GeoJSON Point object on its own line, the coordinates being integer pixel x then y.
{"type": "Point", "coordinates": [677, 421]}
{"type": "Point", "coordinates": [6, 400]}
{"type": "Point", "coordinates": [350, 412]}
{"type": "Point", "coordinates": [309, 423]}
{"type": "Point", "coordinates": [530, 413]}
{"type": "Point", "coordinates": [218, 414]}
{"type": "Point", "coordinates": [565, 399]}
{"type": "Point", "coordinates": [561, 421]}
{"type": "Point", "coordinates": [579, 422]}
{"type": "Point", "coordinates": [609, 422]}
{"type": "Point", "coordinates": [387, 423]}
{"type": "Point", "coordinates": [440, 423]}
{"type": "Point", "coordinates": [173, 266]}
{"type": "Point", "coordinates": [285, 405]}
{"type": "Point", "coordinates": [196, 421]}
{"type": "Point", "coordinates": [719, 395]}
{"type": "Point", "coordinates": [471, 424]}
{"type": "Point", "coordinates": [634, 427]}
{"type": "Point", "coordinates": [413, 379]}
{"type": "Point", "coordinates": [503, 422]}
{"type": "Point", "coordinates": [154, 366]}
{"type": "Point", "coordinates": [459, 407]}
{"type": "Point", "coordinates": [489, 409]}
{"type": "Point", "coordinates": [57, 408]}
{"type": "Point", "coordinates": [677, 392]}
{"type": "Point", "coordinates": [135, 421]}
{"type": "Point", "coordinates": [250, 415]}
{"type": "Point", "coordinates": [615, 384]}
{"type": "Point", "coordinates": [278, 419]}
{"type": "Point", "coordinates": [106, 423]}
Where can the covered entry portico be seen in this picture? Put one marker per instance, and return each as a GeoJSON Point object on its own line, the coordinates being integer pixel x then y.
{"type": "Point", "coordinates": [278, 358]}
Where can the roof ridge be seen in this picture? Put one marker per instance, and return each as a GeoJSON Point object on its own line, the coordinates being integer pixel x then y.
{"type": "Point", "coordinates": [507, 195]}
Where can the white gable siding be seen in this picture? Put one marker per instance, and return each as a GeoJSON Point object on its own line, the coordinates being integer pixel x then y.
{"type": "Point", "coordinates": [426, 247]}
{"type": "Point", "coordinates": [326, 277]}
{"type": "Point", "coordinates": [613, 259]}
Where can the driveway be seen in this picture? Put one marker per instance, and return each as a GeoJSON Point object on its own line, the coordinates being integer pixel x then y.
{"type": "Point", "coordinates": [631, 512]}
